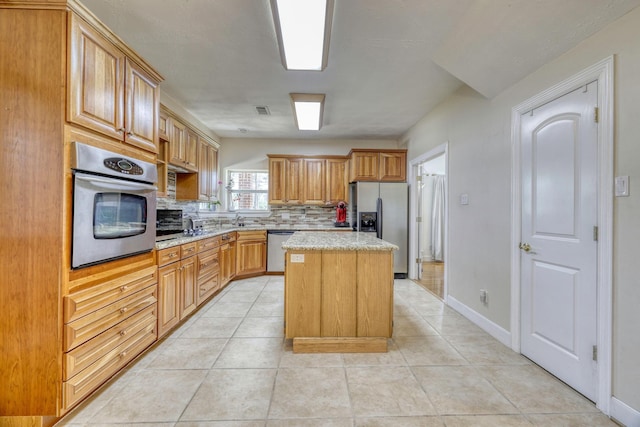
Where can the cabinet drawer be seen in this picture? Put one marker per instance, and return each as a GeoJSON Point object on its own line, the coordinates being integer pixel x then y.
{"type": "Point", "coordinates": [228, 237]}
{"type": "Point", "coordinates": [83, 302]}
{"type": "Point", "coordinates": [168, 255]}
{"type": "Point", "coordinates": [207, 244]}
{"type": "Point", "coordinates": [207, 286]}
{"type": "Point", "coordinates": [252, 235]}
{"type": "Point", "coordinates": [87, 327]}
{"type": "Point", "coordinates": [105, 344]}
{"type": "Point", "coordinates": [188, 249]}
{"type": "Point", "coordinates": [208, 263]}
{"type": "Point", "coordinates": [102, 369]}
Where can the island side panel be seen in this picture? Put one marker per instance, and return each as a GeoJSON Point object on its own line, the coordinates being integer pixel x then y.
{"type": "Point", "coordinates": [303, 287]}
{"type": "Point", "coordinates": [338, 313]}
{"type": "Point", "coordinates": [375, 294]}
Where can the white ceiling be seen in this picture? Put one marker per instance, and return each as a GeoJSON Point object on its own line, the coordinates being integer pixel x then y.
{"type": "Point", "coordinates": [390, 61]}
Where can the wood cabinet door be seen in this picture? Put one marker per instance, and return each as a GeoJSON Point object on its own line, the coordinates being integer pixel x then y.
{"type": "Point", "coordinates": [142, 108]}
{"type": "Point", "coordinates": [337, 183]}
{"type": "Point", "coordinates": [294, 181]}
{"type": "Point", "coordinates": [393, 166]}
{"type": "Point", "coordinates": [277, 181]}
{"type": "Point", "coordinates": [232, 260]}
{"type": "Point", "coordinates": [364, 166]}
{"type": "Point", "coordinates": [313, 181]}
{"type": "Point", "coordinates": [177, 142]}
{"type": "Point", "coordinates": [224, 264]}
{"type": "Point", "coordinates": [96, 81]}
{"type": "Point", "coordinates": [191, 150]}
{"type": "Point", "coordinates": [204, 179]}
{"type": "Point", "coordinates": [251, 257]}
{"type": "Point", "coordinates": [163, 126]}
{"type": "Point", "coordinates": [168, 297]}
{"type": "Point", "coordinates": [189, 286]}
{"type": "Point", "coordinates": [212, 166]}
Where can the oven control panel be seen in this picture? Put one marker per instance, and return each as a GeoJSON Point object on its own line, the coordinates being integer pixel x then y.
{"type": "Point", "coordinates": [123, 165]}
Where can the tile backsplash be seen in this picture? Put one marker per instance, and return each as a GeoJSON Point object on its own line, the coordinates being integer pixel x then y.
{"type": "Point", "coordinates": [285, 216]}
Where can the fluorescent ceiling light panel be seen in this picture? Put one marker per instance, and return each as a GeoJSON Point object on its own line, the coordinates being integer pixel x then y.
{"type": "Point", "coordinates": [308, 109]}
{"type": "Point", "coordinates": [303, 28]}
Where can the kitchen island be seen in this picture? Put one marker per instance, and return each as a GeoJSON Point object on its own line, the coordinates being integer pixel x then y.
{"type": "Point", "coordinates": [338, 292]}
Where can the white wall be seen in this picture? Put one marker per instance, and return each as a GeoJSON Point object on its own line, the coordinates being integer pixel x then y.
{"type": "Point", "coordinates": [478, 132]}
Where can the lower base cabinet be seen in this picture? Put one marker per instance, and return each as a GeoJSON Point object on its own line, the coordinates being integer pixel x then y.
{"type": "Point", "coordinates": [189, 275]}
{"type": "Point", "coordinates": [208, 266]}
{"type": "Point", "coordinates": [168, 297]}
{"type": "Point", "coordinates": [251, 253]}
{"type": "Point", "coordinates": [106, 326]}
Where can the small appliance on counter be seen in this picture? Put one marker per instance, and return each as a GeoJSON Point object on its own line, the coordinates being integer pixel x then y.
{"type": "Point", "coordinates": [169, 224]}
{"type": "Point", "coordinates": [195, 227]}
{"type": "Point", "coordinates": [341, 215]}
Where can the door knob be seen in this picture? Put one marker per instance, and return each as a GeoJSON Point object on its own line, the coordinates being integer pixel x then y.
{"type": "Point", "coordinates": [527, 248]}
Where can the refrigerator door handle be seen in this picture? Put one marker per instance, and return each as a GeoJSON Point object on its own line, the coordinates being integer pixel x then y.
{"type": "Point", "coordinates": [379, 218]}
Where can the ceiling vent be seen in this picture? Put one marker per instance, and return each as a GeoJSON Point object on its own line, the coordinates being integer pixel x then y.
{"type": "Point", "coordinates": [263, 110]}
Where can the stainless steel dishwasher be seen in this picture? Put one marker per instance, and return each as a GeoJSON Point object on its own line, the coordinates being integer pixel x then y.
{"type": "Point", "coordinates": [275, 253]}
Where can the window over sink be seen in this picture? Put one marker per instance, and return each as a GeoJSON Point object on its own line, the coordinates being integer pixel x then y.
{"type": "Point", "coordinates": [247, 190]}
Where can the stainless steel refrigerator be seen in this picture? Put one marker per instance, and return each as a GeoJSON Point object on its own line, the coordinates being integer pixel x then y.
{"type": "Point", "coordinates": [383, 208]}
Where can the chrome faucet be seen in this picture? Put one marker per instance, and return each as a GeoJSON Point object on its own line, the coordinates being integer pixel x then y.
{"type": "Point", "coordinates": [236, 220]}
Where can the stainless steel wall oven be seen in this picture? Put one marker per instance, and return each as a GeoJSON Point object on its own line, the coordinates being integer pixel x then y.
{"type": "Point", "coordinates": [114, 206]}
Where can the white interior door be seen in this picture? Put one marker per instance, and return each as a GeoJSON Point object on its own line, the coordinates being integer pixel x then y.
{"type": "Point", "coordinates": [559, 250]}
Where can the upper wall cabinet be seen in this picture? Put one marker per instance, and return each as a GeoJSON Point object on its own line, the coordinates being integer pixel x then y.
{"type": "Point", "coordinates": [183, 146]}
{"type": "Point", "coordinates": [378, 165]}
{"type": "Point", "coordinates": [307, 180]}
{"type": "Point", "coordinates": [109, 92]}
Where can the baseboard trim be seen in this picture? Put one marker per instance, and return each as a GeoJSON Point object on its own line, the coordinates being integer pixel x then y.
{"type": "Point", "coordinates": [493, 329]}
{"type": "Point", "coordinates": [624, 414]}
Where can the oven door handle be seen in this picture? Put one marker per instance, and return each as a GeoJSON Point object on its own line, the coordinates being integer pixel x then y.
{"type": "Point", "coordinates": [114, 184]}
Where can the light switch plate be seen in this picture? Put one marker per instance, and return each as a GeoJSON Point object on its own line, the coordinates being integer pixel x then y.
{"type": "Point", "coordinates": [464, 199]}
{"type": "Point", "coordinates": [622, 186]}
{"type": "Point", "coordinates": [298, 258]}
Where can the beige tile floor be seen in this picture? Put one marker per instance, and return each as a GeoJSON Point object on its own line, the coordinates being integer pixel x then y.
{"type": "Point", "coordinates": [230, 366]}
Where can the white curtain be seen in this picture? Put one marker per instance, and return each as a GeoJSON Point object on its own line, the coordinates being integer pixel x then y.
{"type": "Point", "coordinates": [437, 219]}
{"type": "Point", "coordinates": [425, 212]}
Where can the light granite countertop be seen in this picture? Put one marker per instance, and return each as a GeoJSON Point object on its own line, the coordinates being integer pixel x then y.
{"type": "Point", "coordinates": [336, 241]}
{"type": "Point", "coordinates": [218, 232]}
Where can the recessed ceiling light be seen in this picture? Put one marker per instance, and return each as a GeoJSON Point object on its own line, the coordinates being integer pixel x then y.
{"type": "Point", "coordinates": [303, 28]}
{"type": "Point", "coordinates": [307, 110]}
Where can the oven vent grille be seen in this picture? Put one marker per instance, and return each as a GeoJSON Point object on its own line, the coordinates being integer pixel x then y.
{"type": "Point", "coordinates": [263, 110]}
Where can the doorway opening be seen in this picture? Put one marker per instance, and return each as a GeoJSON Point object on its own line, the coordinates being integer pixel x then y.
{"type": "Point", "coordinates": [429, 208]}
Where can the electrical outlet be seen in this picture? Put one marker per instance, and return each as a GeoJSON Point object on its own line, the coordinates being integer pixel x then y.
{"type": "Point", "coordinates": [297, 258]}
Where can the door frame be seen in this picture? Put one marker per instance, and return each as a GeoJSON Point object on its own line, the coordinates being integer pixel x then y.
{"type": "Point", "coordinates": [603, 73]}
{"type": "Point", "coordinates": [442, 149]}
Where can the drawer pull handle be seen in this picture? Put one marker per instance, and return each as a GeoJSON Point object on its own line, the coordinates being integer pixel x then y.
{"type": "Point", "coordinates": [173, 255]}
{"type": "Point", "coordinates": [123, 288]}
{"type": "Point", "coordinates": [123, 332]}
{"type": "Point", "coordinates": [123, 310]}
{"type": "Point", "coordinates": [123, 354]}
